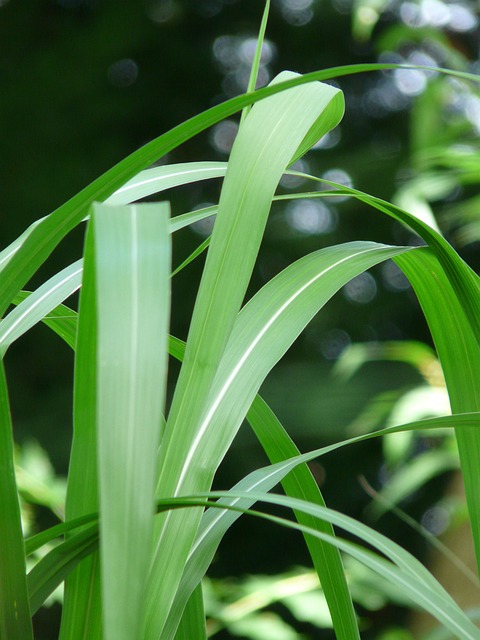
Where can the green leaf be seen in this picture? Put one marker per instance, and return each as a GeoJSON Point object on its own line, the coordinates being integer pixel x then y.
{"type": "Point", "coordinates": [15, 623]}
{"type": "Point", "coordinates": [43, 304]}
{"type": "Point", "coordinates": [198, 251]}
{"type": "Point", "coordinates": [82, 609]}
{"type": "Point", "coordinates": [401, 569]}
{"type": "Point", "coordinates": [300, 483]}
{"type": "Point", "coordinates": [252, 81]}
{"type": "Point", "coordinates": [266, 142]}
{"type": "Point", "coordinates": [192, 624]}
{"type": "Point", "coordinates": [36, 306]}
{"type": "Point", "coordinates": [453, 332]}
{"type": "Point", "coordinates": [166, 177]}
{"type": "Point", "coordinates": [132, 266]}
{"type": "Point", "coordinates": [21, 259]}
{"type": "Point", "coordinates": [47, 574]}
{"type": "Point", "coordinates": [215, 522]}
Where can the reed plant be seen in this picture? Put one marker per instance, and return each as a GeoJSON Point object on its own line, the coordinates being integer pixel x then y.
{"type": "Point", "coordinates": [141, 523]}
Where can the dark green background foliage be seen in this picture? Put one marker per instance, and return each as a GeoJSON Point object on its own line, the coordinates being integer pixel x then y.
{"type": "Point", "coordinates": [86, 82]}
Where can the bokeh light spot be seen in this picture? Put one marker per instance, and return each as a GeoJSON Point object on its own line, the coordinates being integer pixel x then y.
{"type": "Point", "coordinates": [123, 73]}
{"type": "Point", "coordinates": [162, 11]}
{"type": "Point", "coordinates": [329, 140]}
{"type": "Point", "coordinates": [435, 13]}
{"type": "Point", "coordinates": [411, 82]}
{"type": "Point", "coordinates": [393, 277]}
{"type": "Point", "coordinates": [223, 135]}
{"type": "Point", "coordinates": [436, 520]}
{"type": "Point", "coordinates": [333, 343]}
{"type": "Point", "coordinates": [341, 177]}
{"type": "Point", "coordinates": [310, 217]}
{"type": "Point", "coordinates": [291, 182]}
{"type": "Point", "coordinates": [362, 289]}
{"type": "Point", "coordinates": [203, 227]}
{"type": "Point", "coordinates": [462, 19]}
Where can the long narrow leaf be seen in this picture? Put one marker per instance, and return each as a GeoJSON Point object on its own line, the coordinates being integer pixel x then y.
{"type": "Point", "coordinates": [252, 80]}
{"type": "Point", "coordinates": [160, 179]}
{"type": "Point", "coordinates": [299, 483]}
{"type": "Point", "coordinates": [401, 568]}
{"type": "Point", "coordinates": [20, 260]}
{"type": "Point", "coordinates": [267, 140]}
{"type": "Point", "coordinates": [192, 624]}
{"type": "Point", "coordinates": [458, 349]}
{"type": "Point", "coordinates": [15, 623]}
{"type": "Point", "coordinates": [36, 306]}
{"type": "Point", "coordinates": [82, 611]}
{"type": "Point", "coordinates": [216, 522]}
{"type": "Point", "coordinates": [132, 266]}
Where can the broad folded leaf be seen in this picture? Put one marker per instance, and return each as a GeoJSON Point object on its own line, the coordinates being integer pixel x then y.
{"type": "Point", "coordinates": [132, 268]}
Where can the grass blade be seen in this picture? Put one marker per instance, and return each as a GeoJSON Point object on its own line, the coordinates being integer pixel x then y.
{"type": "Point", "coordinates": [402, 569]}
{"type": "Point", "coordinates": [218, 520]}
{"type": "Point", "coordinates": [265, 328]}
{"type": "Point", "coordinates": [160, 179]}
{"type": "Point", "coordinates": [193, 256]}
{"type": "Point", "coordinates": [268, 139]}
{"type": "Point", "coordinates": [458, 350]}
{"type": "Point", "coordinates": [192, 624]}
{"type": "Point", "coordinates": [60, 319]}
{"type": "Point", "coordinates": [20, 261]}
{"type": "Point", "coordinates": [36, 306]}
{"type": "Point", "coordinates": [300, 483]}
{"type": "Point", "coordinates": [82, 612]}
{"type": "Point", "coordinates": [132, 254]}
{"type": "Point", "coordinates": [15, 623]}
{"type": "Point", "coordinates": [252, 80]}
{"type": "Point", "coordinates": [44, 578]}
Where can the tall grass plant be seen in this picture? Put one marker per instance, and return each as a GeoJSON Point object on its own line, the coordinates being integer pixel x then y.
{"type": "Point", "coordinates": [141, 523]}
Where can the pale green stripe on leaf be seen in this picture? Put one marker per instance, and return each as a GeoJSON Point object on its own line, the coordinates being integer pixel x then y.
{"type": "Point", "coordinates": [166, 177]}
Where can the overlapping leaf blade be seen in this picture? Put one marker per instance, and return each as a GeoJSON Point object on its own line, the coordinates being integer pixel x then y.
{"type": "Point", "coordinates": [267, 140]}
{"type": "Point", "coordinates": [214, 522]}
{"type": "Point", "coordinates": [36, 306]}
{"type": "Point", "coordinates": [20, 261]}
{"type": "Point", "coordinates": [264, 330]}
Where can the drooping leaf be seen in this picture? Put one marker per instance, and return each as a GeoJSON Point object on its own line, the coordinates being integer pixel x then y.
{"type": "Point", "coordinates": [453, 332]}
